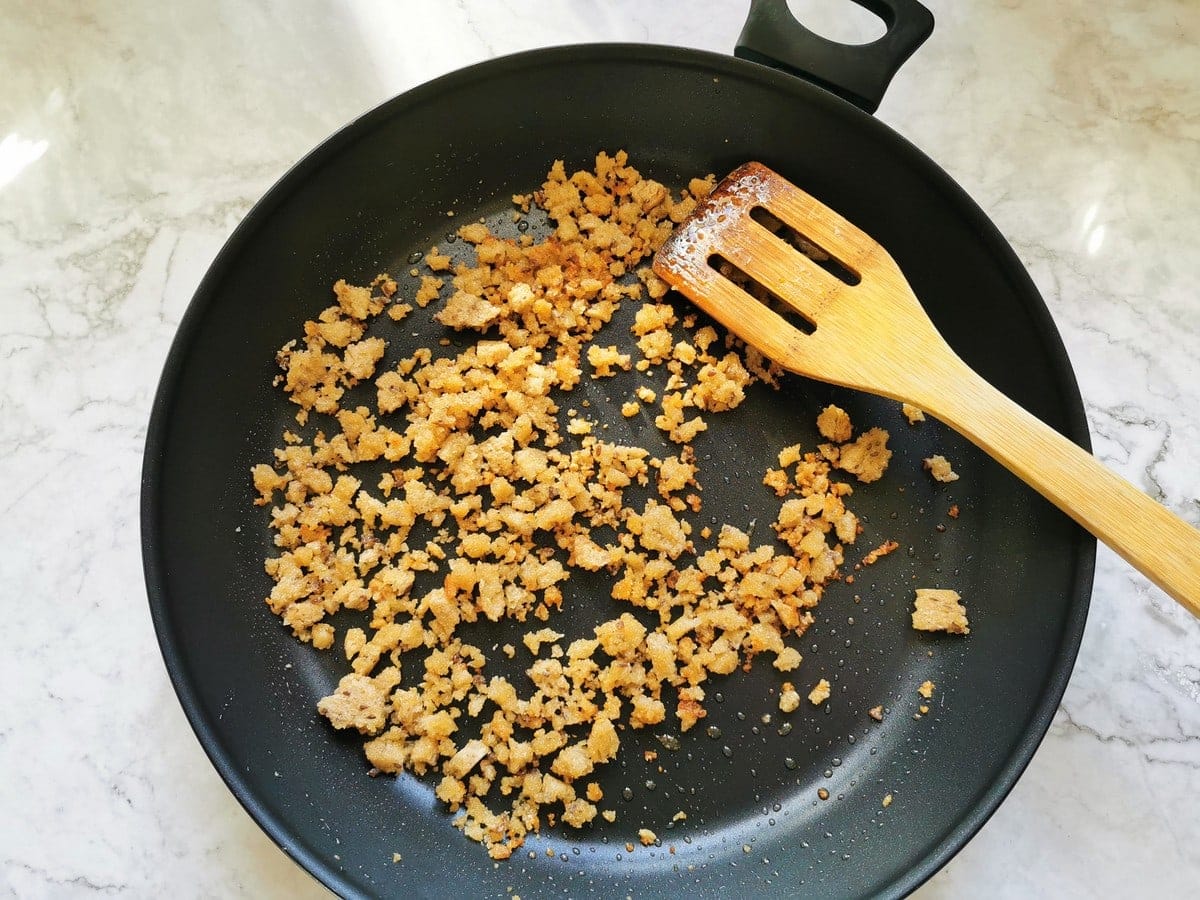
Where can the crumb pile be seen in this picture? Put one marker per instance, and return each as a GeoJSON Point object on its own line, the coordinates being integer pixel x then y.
{"type": "Point", "coordinates": [471, 449]}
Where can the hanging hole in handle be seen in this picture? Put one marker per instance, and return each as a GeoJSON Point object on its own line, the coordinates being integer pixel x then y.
{"type": "Point", "coordinates": [842, 21]}
{"type": "Point", "coordinates": [773, 36]}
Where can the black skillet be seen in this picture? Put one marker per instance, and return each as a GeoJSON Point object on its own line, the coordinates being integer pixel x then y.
{"type": "Point", "coordinates": [379, 190]}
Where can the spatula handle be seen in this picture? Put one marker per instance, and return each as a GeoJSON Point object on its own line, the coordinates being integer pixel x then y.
{"type": "Point", "coordinates": [1153, 540]}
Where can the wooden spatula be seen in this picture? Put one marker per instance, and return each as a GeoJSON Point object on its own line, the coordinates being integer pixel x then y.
{"type": "Point", "coordinates": [870, 333]}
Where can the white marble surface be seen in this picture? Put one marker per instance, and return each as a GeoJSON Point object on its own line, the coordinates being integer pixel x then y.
{"type": "Point", "coordinates": [134, 135]}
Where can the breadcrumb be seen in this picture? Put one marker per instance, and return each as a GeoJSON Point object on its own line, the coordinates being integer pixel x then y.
{"type": "Point", "coordinates": [911, 413]}
{"type": "Point", "coordinates": [357, 703]}
{"type": "Point", "coordinates": [867, 458]}
{"type": "Point", "coordinates": [473, 449]}
{"type": "Point", "coordinates": [834, 424]}
{"type": "Point", "coordinates": [939, 467]}
{"type": "Point", "coordinates": [428, 291]}
{"type": "Point", "coordinates": [882, 550]}
{"type": "Point", "coordinates": [789, 698]}
{"type": "Point", "coordinates": [939, 610]}
{"type": "Point", "coordinates": [603, 359]}
{"type": "Point", "coordinates": [820, 693]}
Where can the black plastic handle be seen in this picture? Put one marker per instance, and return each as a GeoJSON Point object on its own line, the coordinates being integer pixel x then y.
{"type": "Point", "coordinates": [773, 37]}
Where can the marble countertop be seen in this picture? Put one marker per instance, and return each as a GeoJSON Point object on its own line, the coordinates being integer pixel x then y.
{"type": "Point", "coordinates": [133, 137]}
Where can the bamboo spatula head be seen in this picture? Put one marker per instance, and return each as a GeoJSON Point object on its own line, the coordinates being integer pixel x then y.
{"type": "Point", "coordinates": [865, 328]}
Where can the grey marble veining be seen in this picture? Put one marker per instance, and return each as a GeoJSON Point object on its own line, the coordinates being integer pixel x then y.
{"type": "Point", "coordinates": [134, 136]}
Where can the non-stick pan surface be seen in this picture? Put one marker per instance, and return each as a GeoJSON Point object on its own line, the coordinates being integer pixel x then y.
{"type": "Point", "coordinates": [380, 190]}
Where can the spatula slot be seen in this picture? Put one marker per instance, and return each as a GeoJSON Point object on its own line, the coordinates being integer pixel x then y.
{"type": "Point", "coordinates": [809, 248]}
{"type": "Point", "coordinates": [762, 294]}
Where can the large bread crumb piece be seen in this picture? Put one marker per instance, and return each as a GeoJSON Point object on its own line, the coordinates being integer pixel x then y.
{"type": "Point", "coordinates": [512, 492]}
{"type": "Point", "coordinates": [912, 413]}
{"type": "Point", "coordinates": [789, 658]}
{"type": "Point", "coordinates": [602, 360]}
{"type": "Point", "coordinates": [465, 310]}
{"type": "Point", "coordinates": [939, 467]}
{"type": "Point", "coordinates": [357, 703]}
{"type": "Point", "coordinates": [939, 610]}
{"type": "Point", "coordinates": [834, 424]}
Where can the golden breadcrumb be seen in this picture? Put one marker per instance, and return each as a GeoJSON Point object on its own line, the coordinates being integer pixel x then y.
{"type": "Point", "coordinates": [834, 424]}
{"type": "Point", "coordinates": [820, 693]}
{"type": "Point", "coordinates": [939, 610]}
{"type": "Point", "coordinates": [866, 458]}
{"type": "Point", "coordinates": [882, 550]}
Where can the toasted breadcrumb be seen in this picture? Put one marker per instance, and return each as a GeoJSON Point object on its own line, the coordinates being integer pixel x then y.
{"type": "Point", "coordinates": [834, 424]}
{"type": "Point", "coordinates": [911, 413]}
{"type": "Point", "coordinates": [820, 693]}
{"type": "Point", "coordinates": [882, 550]}
{"type": "Point", "coordinates": [464, 310]}
{"type": "Point", "coordinates": [398, 311]}
{"type": "Point", "coordinates": [437, 262]}
{"type": "Point", "coordinates": [926, 689]}
{"type": "Point", "coordinates": [887, 801]}
{"type": "Point", "coordinates": [428, 291]}
{"type": "Point", "coordinates": [939, 610]}
{"type": "Point", "coordinates": [867, 458]}
{"type": "Point", "coordinates": [602, 360]}
{"type": "Point", "coordinates": [322, 636]}
{"type": "Point", "coordinates": [789, 698]}
{"type": "Point", "coordinates": [647, 837]}
{"type": "Point", "coordinates": [876, 713]}
{"type": "Point", "coordinates": [939, 467]}
{"type": "Point", "coordinates": [357, 703]}
{"type": "Point", "coordinates": [787, 659]}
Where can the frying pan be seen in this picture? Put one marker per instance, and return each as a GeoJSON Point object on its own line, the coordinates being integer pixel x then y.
{"type": "Point", "coordinates": [378, 191]}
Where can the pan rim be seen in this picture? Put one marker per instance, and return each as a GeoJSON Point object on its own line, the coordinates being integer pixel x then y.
{"type": "Point", "coordinates": [960, 832]}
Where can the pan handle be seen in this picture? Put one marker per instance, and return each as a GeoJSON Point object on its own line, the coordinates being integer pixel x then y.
{"type": "Point", "coordinates": [774, 37]}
